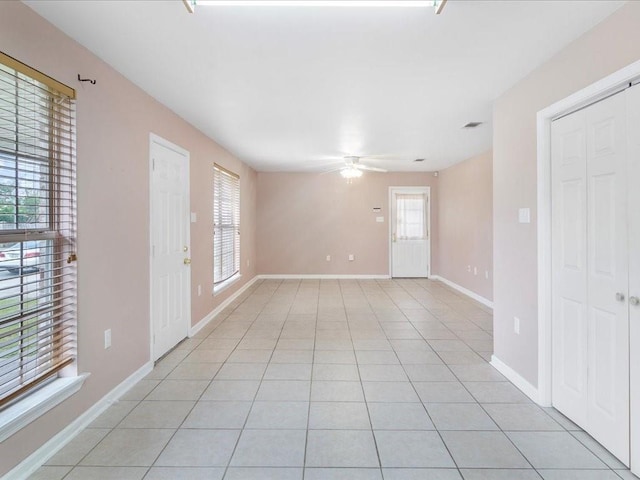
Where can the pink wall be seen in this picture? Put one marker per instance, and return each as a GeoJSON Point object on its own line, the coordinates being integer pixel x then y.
{"type": "Point", "coordinates": [114, 119]}
{"type": "Point", "coordinates": [201, 231]}
{"type": "Point", "coordinates": [610, 46]}
{"type": "Point", "coordinates": [465, 227]}
{"type": "Point", "coordinates": [303, 217]}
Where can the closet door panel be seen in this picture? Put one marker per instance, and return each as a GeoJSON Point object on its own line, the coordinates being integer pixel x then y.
{"type": "Point", "coordinates": [608, 275]}
{"type": "Point", "coordinates": [569, 253]}
{"type": "Point", "coordinates": [633, 127]}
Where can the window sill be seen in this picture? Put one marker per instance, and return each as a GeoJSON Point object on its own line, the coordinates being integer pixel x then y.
{"type": "Point", "coordinates": [34, 405]}
{"type": "Point", "coordinates": [226, 284]}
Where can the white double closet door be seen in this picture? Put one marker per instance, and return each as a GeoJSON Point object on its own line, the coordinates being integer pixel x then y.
{"type": "Point", "coordinates": [596, 266]}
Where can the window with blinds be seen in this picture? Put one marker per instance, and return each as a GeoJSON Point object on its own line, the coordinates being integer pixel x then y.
{"type": "Point", "coordinates": [37, 228]}
{"type": "Point", "coordinates": [410, 216]}
{"type": "Point", "coordinates": [226, 224]}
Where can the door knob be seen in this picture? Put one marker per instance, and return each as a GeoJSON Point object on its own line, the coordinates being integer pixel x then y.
{"type": "Point", "coordinates": [393, 237]}
{"type": "Point", "coordinates": [620, 297]}
{"type": "Point", "coordinates": [635, 301]}
{"type": "Point", "coordinates": [187, 261]}
{"type": "Point", "coordinates": [185, 249]}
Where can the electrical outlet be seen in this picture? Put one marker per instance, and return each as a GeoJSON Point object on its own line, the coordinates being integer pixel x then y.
{"type": "Point", "coordinates": [247, 262]}
{"type": "Point", "coordinates": [475, 270]}
{"type": "Point", "coordinates": [351, 257]}
{"type": "Point", "coordinates": [107, 338]}
{"type": "Point", "coordinates": [486, 274]}
{"type": "Point", "coordinates": [469, 268]}
{"type": "Point", "coordinates": [199, 290]}
{"type": "Point", "coordinates": [328, 258]}
{"type": "Point", "coordinates": [516, 325]}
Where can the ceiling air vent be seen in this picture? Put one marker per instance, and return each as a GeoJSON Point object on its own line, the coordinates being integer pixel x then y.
{"type": "Point", "coordinates": [472, 125]}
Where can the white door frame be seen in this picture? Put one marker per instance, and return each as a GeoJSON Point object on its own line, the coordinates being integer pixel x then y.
{"type": "Point", "coordinates": [153, 138]}
{"type": "Point", "coordinates": [419, 189]}
{"type": "Point", "coordinates": [594, 92]}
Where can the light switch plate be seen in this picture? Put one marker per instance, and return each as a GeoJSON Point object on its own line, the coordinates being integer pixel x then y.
{"type": "Point", "coordinates": [524, 215]}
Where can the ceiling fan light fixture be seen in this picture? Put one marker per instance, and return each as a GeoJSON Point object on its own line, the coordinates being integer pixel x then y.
{"type": "Point", "coordinates": [351, 172]}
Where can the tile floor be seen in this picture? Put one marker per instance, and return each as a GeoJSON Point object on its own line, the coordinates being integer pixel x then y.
{"type": "Point", "coordinates": [356, 380]}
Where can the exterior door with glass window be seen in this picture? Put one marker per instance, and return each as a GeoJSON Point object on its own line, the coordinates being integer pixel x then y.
{"type": "Point", "coordinates": [410, 245]}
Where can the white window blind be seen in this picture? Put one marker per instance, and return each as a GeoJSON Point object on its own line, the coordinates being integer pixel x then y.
{"type": "Point", "coordinates": [226, 224]}
{"type": "Point", "coordinates": [410, 216]}
{"type": "Point", "coordinates": [37, 228]}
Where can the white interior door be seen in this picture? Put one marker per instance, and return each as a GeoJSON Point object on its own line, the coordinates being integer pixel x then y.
{"type": "Point", "coordinates": [170, 249]}
{"type": "Point", "coordinates": [608, 275]}
{"type": "Point", "coordinates": [633, 127]}
{"type": "Point", "coordinates": [569, 257]}
{"type": "Point", "coordinates": [410, 225]}
{"type": "Point", "coordinates": [590, 272]}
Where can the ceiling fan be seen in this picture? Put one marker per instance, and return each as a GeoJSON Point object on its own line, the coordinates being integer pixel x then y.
{"type": "Point", "coordinates": [353, 168]}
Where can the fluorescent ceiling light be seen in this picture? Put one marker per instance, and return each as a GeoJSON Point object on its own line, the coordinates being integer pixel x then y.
{"type": "Point", "coordinates": [351, 172]}
{"type": "Point", "coordinates": [437, 4]}
{"type": "Point", "coordinates": [190, 4]}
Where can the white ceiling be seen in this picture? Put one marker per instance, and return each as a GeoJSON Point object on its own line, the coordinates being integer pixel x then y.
{"type": "Point", "coordinates": [293, 89]}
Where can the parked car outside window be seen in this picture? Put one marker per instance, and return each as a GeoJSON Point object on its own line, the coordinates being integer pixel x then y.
{"type": "Point", "coordinates": [20, 257]}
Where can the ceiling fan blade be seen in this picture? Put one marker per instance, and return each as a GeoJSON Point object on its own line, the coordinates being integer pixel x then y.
{"type": "Point", "coordinates": [371, 169]}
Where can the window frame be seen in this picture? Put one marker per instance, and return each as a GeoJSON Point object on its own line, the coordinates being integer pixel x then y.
{"type": "Point", "coordinates": [49, 386]}
{"type": "Point", "coordinates": [233, 180]}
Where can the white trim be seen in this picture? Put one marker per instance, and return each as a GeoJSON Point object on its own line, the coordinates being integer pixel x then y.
{"type": "Point", "coordinates": [36, 404]}
{"type": "Point", "coordinates": [211, 315]}
{"type": "Point", "coordinates": [34, 461]}
{"type": "Point", "coordinates": [222, 286]}
{"type": "Point", "coordinates": [427, 191]}
{"type": "Point", "coordinates": [465, 291]}
{"type": "Point", "coordinates": [321, 276]}
{"type": "Point", "coordinates": [155, 139]}
{"type": "Point", "coordinates": [515, 378]}
{"type": "Point", "coordinates": [583, 97]}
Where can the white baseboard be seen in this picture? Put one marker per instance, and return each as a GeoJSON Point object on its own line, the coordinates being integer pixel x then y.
{"type": "Point", "coordinates": [212, 314]}
{"type": "Point", "coordinates": [17, 416]}
{"type": "Point", "coordinates": [466, 291]}
{"type": "Point", "coordinates": [515, 378]}
{"type": "Point", "coordinates": [322, 276]}
{"type": "Point", "coordinates": [38, 458]}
